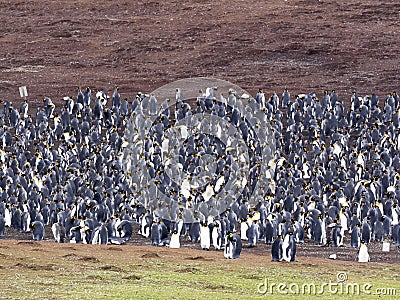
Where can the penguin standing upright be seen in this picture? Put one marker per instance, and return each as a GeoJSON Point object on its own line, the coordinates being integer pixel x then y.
{"type": "Point", "coordinates": [16, 219]}
{"type": "Point", "coordinates": [103, 234]}
{"type": "Point", "coordinates": [366, 232]}
{"type": "Point", "coordinates": [155, 234]}
{"type": "Point", "coordinates": [243, 229]}
{"type": "Point", "coordinates": [285, 248]}
{"type": "Point", "coordinates": [217, 235]}
{"type": "Point", "coordinates": [145, 224]}
{"type": "Point", "coordinates": [337, 238]}
{"type": "Point", "coordinates": [269, 232]}
{"type": "Point", "coordinates": [251, 234]}
{"type": "Point", "coordinates": [233, 246]}
{"type": "Point", "coordinates": [292, 248]}
{"type": "Point", "coordinates": [355, 237]}
{"type": "Point", "coordinates": [387, 226]}
{"type": "Point", "coordinates": [228, 249]}
{"type": "Point", "coordinates": [194, 232]}
{"type": "Point", "coordinates": [7, 217]}
{"type": "Point", "coordinates": [174, 242]}
{"type": "Point", "coordinates": [26, 221]}
{"type": "Point", "coordinates": [378, 231]}
{"type": "Point", "coordinates": [37, 230]}
{"type": "Point", "coordinates": [205, 236]}
{"type": "Point", "coordinates": [2, 225]}
{"type": "Point", "coordinates": [363, 255]}
{"type": "Point", "coordinates": [179, 227]}
{"type": "Point", "coordinates": [276, 249]}
{"type": "Point", "coordinates": [87, 235]}
{"type": "Point", "coordinates": [163, 232]}
{"type": "Point", "coordinates": [100, 235]}
{"type": "Point", "coordinates": [299, 232]}
{"type": "Point", "coordinates": [58, 232]}
{"type": "Point", "coordinates": [289, 247]}
{"type": "Point", "coordinates": [396, 235]}
{"type": "Point", "coordinates": [319, 232]}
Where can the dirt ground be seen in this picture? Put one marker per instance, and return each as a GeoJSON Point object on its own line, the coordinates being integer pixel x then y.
{"type": "Point", "coordinates": [93, 251]}
{"type": "Point", "coordinates": [307, 46]}
{"type": "Point", "coordinates": [262, 251]}
{"type": "Point", "coordinates": [53, 47]}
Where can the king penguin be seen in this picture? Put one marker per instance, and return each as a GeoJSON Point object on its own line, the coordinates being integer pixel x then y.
{"type": "Point", "coordinates": [363, 255]}
{"type": "Point", "coordinates": [205, 238]}
{"type": "Point", "coordinates": [276, 249]}
{"type": "Point", "coordinates": [289, 247]}
{"type": "Point", "coordinates": [58, 232]}
{"type": "Point", "coordinates": [243, 229]}
{"type": "Point", "coordinates": [285, 248]}
{"type": "Point", "coordinates": [366, 231]}
{"type": "Point", "coordinates": [145, 224]}
{"type": "Point", "coordinates": [125, 229]}
{"type": "Point", "coordinates": [217, 235]}
{"type": "Point", "coordinates": [378, 231]}
{"type": "Point", "coordinates": [337, 238]}
{"type": "Point", "coordinates": [292, 248]}
{"type": "Point", "coordinates": [100, 235]}
{"type": "Point", "coordinates": [155, 234]}
{"type": "Point", "coordinates": [7, 216]}
{"type": "Point", "coordinates": [269, 232]}
{"type": "Point", "coordinates": [251, 234]}
{"type": "Point", "coordinates": [233, 246]}
{"type": "Point", "coordinates": [26, 221]}
{"type": "Point", "coordinates": [175, 243]}
{"type": "Point", "coordinates": [355, 237]}
{"type": "Point", "coordinates": [194, 232]}
{"type": "Point", "coordinates": [37, 230]}
{"type": "Point", "coordinates": [2, 225]}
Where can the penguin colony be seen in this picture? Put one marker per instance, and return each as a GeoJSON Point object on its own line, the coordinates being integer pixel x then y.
{"type": "Point", "coordinates": [333, 179]}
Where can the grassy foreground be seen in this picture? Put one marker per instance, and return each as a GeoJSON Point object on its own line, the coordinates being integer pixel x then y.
{"type": "Point", "coordinates": [46, 270]}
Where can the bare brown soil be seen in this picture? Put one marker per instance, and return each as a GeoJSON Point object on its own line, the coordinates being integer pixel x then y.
{"type": "Point", "coordinates": [305, 45]}
{"type": "Point", "coordinates": [93, 253]}
{"type": "Point", "coordinates": [262, 251]}
{"type": "Point", "coordinates": [99, 253]}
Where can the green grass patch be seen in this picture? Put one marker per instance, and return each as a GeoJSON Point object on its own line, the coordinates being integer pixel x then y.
{"type": "Point", "coordinates": [87, 272]}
